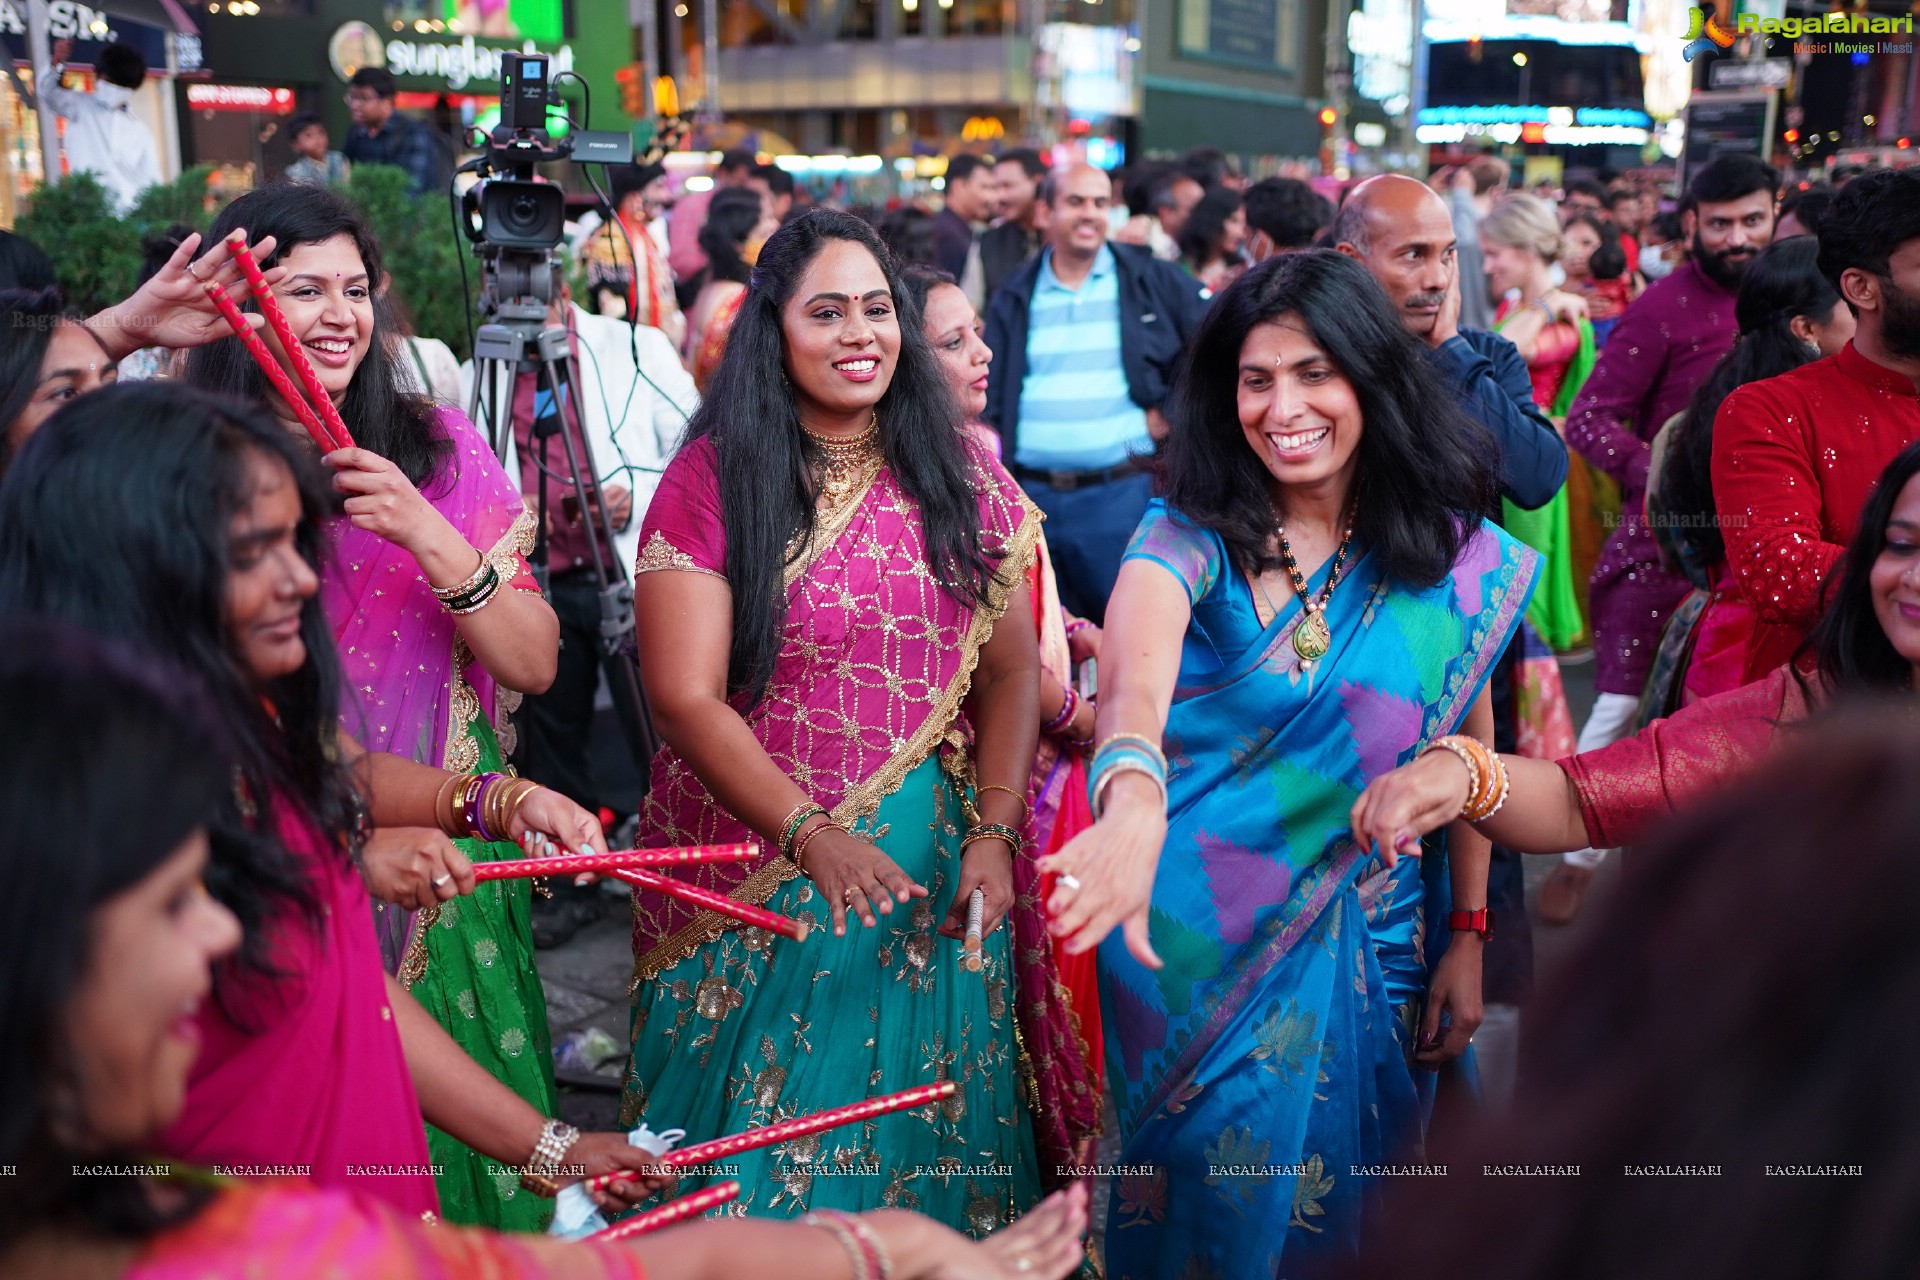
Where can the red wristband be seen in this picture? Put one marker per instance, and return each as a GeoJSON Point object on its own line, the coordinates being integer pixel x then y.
{"type": "Point", "coordinates": [1480, 922]}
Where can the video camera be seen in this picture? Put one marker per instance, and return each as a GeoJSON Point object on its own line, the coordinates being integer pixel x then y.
{"type": "Point", "coordinates": [515, 222]}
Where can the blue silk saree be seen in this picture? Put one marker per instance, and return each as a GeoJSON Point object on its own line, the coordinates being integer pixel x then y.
{"type": "Point", "coordinates": [1263, 1077]}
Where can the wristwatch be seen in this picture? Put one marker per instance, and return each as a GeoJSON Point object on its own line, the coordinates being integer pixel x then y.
{"type": "Point", "coordinates": [1480, 922]}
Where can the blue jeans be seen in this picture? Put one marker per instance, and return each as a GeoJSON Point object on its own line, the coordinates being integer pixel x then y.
{"type": "Point", "coordinates": [1087, 534]}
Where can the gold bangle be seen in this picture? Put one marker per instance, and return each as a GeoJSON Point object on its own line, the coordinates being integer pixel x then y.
{"type": "Point", "coordinates": [800, 846]}
{"type": "Point", "coordinates": [1473, 755]}
{"type": "Point", "coordinates": [454, 593]}
{"type": "Point", "coordinates": [442, 803]}
{"type": "Point", "coordinates": [1026, 806]}
{"type": "Point", "coordinates": [526, 788]}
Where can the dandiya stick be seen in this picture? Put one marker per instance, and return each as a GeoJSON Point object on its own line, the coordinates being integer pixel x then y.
{"type": "Point", "coordinates": [282, 384]}
{"type": "Point", "coordinates": [798, 1127]}
{"type": "Point", "coordinates": [669, 1213]}
{"type": "Point", "coordinates": [277, 320]}
{"type": "Point", "coordinates": [576, 863]}
{"type": "Point", "coordinates": [694, 895]}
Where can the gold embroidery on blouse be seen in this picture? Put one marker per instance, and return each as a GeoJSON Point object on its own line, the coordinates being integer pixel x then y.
{"type": "Point", "coordinates": [659, 555]}
{"type": "Point", "coordinates": [865, 797]}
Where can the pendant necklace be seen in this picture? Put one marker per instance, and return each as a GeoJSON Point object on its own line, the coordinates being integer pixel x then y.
{"type": "Point", "coordinates": [1312, 637]}
{"type": "Point", "coordinates": [847, 463]}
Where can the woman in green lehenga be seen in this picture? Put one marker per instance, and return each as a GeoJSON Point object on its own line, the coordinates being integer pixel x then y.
{"type": "Point", "coordinates": [429, 513]}
{"type": "Point", "coordinates": [821, 577]}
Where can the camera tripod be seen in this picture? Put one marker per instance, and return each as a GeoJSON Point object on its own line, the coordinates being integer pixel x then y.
{"type": "Point", "coordinates": [520, 341]}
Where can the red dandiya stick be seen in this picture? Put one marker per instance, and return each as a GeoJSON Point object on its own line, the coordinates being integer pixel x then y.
{"type": "Point", "coordinates": [798, 1127]}
{"type": "Point", "coordinates": [669, 1213]}
{"type": "Point", "coordinates": [711, 901]}
{"type": "Point", "coordinates": [282, 384]}
{"type": "Point", "coordinates": [296, 354]}
{"type": "Point", "coordinates": [575, 863]}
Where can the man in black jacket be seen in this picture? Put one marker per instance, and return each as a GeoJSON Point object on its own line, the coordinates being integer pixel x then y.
{"type": "Point", "coordinates": [1085, 338]}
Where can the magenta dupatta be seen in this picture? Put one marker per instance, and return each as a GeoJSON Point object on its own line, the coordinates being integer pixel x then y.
{"type": "Point", "coordinates": [875, 661]}
{"type": "Point", "coordinates": [316, 1076]}
{"type": "Point", "coordinates": [414, 686]}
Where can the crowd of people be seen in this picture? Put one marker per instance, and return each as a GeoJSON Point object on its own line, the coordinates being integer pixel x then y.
{"type": "Point", "coordinates": [1166, 576]}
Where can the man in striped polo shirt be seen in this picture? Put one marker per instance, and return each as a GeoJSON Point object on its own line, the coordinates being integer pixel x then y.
{"type": "Point", "coordinates": [1085, 338]}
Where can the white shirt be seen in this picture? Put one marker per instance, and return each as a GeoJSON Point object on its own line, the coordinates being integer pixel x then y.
{"type": "Point", "coordinates": [104, 138]}
{"type": "Point", "coordinates": [633, 417]}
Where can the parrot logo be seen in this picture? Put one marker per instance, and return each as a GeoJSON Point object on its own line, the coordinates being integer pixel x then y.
{"type": "Point", "coordinates": [1704, 34]}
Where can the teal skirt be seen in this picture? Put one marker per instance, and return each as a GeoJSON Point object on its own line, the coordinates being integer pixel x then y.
{"type": "Point", "coordinates": [748, 1031]}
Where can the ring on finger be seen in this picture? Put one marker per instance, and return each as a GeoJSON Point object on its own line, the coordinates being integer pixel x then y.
{"type": "Point", "coordinates": [1071, 882]}
{"type": "Point", "coordinates": [440, 881]}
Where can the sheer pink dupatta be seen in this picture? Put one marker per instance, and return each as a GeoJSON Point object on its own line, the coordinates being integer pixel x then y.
{"type": "Point", "coordinates": [413, 687]}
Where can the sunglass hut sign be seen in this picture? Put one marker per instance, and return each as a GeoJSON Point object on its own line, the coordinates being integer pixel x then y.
{"type": "Point", "coordinates": [457, 63]}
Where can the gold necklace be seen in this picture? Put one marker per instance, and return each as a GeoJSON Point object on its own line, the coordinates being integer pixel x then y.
{"type": "Point", "coordinates": [1312, 637]}
{"type": "Point", "coordinates": [848, 464]}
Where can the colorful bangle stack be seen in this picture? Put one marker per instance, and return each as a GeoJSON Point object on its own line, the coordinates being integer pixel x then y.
{"type": "Point", "coordinates": [800, 849]}
{"type": "Point", "coordinates": [1486, 775]}
{"type": "Point", "coordinates": [790, 829]}
{"type": "Point", "coordinates": [484, 805]}
{"type": "Point", "coordinates": [472, 595]}
{"type": "Point", "coordinates": [1069, 707]}
{"type": "Point", "coordinates": [1125, 753]}
{"type": "Point", "coordinates": [993, 831]}
{"type": "Point", "coordinates": [870, 1260]}
{"type": "Point", "coordinates": [1075, 627]}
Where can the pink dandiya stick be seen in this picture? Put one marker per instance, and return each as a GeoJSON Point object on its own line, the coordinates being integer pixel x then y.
{"type": "Point", "coordinates": [296, 354]}
{"type": "Point", "coordinates": [669, 1213]}
{"type": "Point", "coordinates": [573, 864]}
{"type": "Point", "coordinates": [694, 895]}
{"type": "Point", "coordinates": [282, 384]}
{"type": "Point", "coordinates": [798, 1127]}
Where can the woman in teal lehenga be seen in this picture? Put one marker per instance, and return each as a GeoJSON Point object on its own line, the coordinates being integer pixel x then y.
{"type": "Point", "coordinates": [821, 577]}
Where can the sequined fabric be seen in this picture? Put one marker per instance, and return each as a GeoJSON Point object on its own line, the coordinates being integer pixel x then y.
{"type": "Point", "coordinates": [1794, 458]}
{"type": "Point", "coordinates": [1658, 353]}
{"type": "Point", "coordinates": [1627, 787]}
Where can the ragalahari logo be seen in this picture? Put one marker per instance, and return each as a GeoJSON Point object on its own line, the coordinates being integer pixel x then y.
{"type": "Point", "coordinates": [1704, 34]}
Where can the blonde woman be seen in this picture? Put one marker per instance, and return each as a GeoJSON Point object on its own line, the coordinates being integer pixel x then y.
{"type": "Point", "coordinates": [1520, 240]}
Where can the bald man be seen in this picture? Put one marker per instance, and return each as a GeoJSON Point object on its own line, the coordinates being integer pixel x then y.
{"type": "Point", "coordinates": [1402, 232]}
{"type": "Point", "coordinates": [1085, 337]}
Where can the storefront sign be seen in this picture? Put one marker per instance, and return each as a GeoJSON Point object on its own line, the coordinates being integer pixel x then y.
{"type": "Point", "coordinates": [255, 99]}
{"type": "Point", "coordinates": [458, 63]}
{"type": "Point", "coordinates": [90, 30]}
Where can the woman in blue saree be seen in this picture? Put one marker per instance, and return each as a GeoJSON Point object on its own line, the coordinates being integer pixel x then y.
{"type": "Point", "coordinates": [1315, 600]}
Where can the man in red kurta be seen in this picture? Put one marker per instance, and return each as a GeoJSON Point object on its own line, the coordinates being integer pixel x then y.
{"type": "Point", "coordinates": [1794, 457]}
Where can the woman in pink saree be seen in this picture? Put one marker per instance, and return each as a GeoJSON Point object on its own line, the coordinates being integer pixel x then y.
{"type": "Point", "coordinates": [837, 646]}
{"type": "Point", "coordinates": [1059, 1005]}
{"type": "Point", "coordinates": [429, 511]}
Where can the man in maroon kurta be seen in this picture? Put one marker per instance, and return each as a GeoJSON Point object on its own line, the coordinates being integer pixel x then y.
{"type": "Point", "coordinates": [1658, 353]}
{"type": "Point", "coordinates": [1794, 457]}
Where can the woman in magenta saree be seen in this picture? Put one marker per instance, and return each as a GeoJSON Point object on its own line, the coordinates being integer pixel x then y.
{"type": "Point", "coordinates": [1285, 639]}
{"type": "Point", "coordinates": [425, 501]}
{"type": "Point", "coordinates": [879, 758]}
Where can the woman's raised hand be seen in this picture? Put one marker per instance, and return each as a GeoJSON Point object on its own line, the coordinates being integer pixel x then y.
{"type": "Point", "coordinates": [1104, 875]}
{"type": "Point", "coordinates": [1403, 804]}
{"type": "Point", "coordinates": [856, 878]}
{"type": "Point", "coordinates": [381, 500]}
{"type": "Point", "coordinates": [172, 309]}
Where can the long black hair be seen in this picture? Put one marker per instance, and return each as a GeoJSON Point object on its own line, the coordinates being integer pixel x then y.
{"type": "Point", "coordinates": [766, 490]}
{"type": "Point", "coordinates": [731, 218]}
{"type": "Point", "coordinates": [29, 317]}
{"type": "Point", "coordinates": [1425, 476]}
{"type": "Point", "coordinates": [105, 770]}
{"type": "Point", "coordinates": [1849, 646]}
{"type": "Point", "coordinates": [1782, 281]}
{"type": "Point", "coordinates": [391, 422]}
{"type": "Point", "coordinates": [115, 519]}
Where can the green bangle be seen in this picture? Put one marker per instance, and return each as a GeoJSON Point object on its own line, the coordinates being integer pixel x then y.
{"type": "Point", "coordinates": [994, 831]}
{"type": "Point", "coordinates": [800, 818]}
